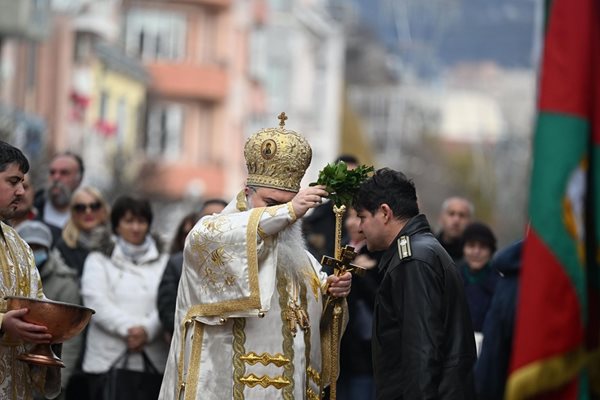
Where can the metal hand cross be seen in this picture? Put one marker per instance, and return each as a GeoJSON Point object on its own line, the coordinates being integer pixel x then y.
{"type": "Point", "coordinates": [344, 263]}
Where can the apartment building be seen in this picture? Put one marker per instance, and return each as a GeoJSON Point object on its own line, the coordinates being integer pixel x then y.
{"type": "Point", "coordinates": [188, 139]}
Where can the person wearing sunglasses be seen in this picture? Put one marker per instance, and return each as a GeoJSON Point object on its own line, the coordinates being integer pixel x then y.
{"type": "Point", "coordinates": [86, 229]}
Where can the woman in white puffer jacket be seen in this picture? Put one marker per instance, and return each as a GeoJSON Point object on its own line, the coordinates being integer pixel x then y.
{"type": "Point", "coordinates": [121, 285]}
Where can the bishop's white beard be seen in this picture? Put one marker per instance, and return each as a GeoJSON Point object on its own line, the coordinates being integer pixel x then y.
{"type": "Point", "coordinates": [291, 253]}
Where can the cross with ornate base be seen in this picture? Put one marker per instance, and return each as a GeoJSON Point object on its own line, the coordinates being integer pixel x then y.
{"type": "Point", "coordinates": [344, 263]}
{"type": "Point", "coordinates": [340, 264]}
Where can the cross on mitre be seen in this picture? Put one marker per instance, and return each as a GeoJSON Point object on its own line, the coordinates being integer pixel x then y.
{"type": "Point", "coordinates": [344, 263]}
{"type": "Point", "coordinates": [282, 118]}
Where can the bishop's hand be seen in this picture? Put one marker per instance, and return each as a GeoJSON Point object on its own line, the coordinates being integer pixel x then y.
{"type": "Point", "coordinates": [308, 198]}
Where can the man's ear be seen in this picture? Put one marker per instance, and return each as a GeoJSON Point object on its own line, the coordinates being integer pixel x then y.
{"type": "Point", "coordinates": [246, 191]}
{"type": "Point", "coordinates": [387, 212]}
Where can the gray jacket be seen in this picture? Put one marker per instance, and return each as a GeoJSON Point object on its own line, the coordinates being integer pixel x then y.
{"type": "Point", "coordinates": [60, 283]}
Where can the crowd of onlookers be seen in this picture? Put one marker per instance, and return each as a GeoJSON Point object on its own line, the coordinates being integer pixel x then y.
{"type": "Point", "coordinates": [104, 256]}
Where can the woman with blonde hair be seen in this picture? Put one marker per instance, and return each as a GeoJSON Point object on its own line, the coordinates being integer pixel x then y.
{"type": "Point", "coordinates": [86, 229]}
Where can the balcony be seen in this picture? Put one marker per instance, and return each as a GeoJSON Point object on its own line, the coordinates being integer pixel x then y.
{"type": "Point", "coordinates": [178, 180]}
{"type": "Point", "coordinates": [203, 82]}
{"type": "Point", "coordinates": [25, 19]}
{"type": "Point", "coordinates": [209, 3]}
{"type": "Point", "coordinates": [205, 3]}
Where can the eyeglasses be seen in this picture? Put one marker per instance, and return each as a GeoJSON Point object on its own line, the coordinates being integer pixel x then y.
{"type": "Point", "coordinates": [81, 207]}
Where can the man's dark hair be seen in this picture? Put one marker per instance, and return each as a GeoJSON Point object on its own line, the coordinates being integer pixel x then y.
{"type": "Point", "coordinates": [481, 233]}
{"type": "Point", "coordinates": [347, 158]}
{"type": "Point", "coordinates": [138, 208]}
{"type": "Point", "coordinates": [75, 157]}
{"type": "Point", "coordinates": [11, 155]}
{"type": "Point", "coordinates": [389, 187]}
{"type": "Point", "coordinates": [181, 232]}
{"type": "Point", "coordinates": [209, 202]}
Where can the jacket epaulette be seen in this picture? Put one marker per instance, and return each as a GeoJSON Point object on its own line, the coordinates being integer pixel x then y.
{"type": "Point", "coordinates": [404, 250]}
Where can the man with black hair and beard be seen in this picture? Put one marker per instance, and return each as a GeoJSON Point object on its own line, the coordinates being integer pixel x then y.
{"type": "Point", "coordinates": [251, 298]}
{"type": "Point", "coordinates": [25, 210]}
{"type": "Point", "coordinates": [64, 176]}
{"type": "Point", "coordinates": [19, 277]}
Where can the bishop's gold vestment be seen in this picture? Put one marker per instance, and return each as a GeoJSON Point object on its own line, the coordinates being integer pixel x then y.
{"type": "Point", "coordinates": [241, 321]}
{"type": "Point", "coordinates": [20, 278]}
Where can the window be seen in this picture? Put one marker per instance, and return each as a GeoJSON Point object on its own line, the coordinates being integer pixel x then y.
{"type": "Point", "coordinates": [32, 62]}
{"type": "Point", "coordinates": [83, 47]}
{"type": "Point", "coordinates": [103, 105]}
{"type": "Point", "coordinates": [258, 63]}
{"type": "Point", "coordinates": [205, 125]}
{"type": "Point", "coordinates": [165, 130]}
{"type": "Point", "coordinates": [155, 35]}
{"type": "Point", "coordinates": [277, 81]}
{"type": "Point", "coordinates": [281, 5]}
{"type": "Point", "coordinates": [208, 33]}
{"type": "Point", "coordinates": [121, 121]}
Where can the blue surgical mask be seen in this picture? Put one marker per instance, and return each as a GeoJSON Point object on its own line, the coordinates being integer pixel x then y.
{"type": "Point", "coordinates": [40, 257]}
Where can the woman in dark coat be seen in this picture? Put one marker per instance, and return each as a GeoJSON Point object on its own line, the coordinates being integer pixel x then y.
{"type": "Point", "coordinates": [479, 277]}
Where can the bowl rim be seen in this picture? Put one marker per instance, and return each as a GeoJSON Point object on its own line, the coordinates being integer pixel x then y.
{"type": "Point", "coordinates": [46, 300]}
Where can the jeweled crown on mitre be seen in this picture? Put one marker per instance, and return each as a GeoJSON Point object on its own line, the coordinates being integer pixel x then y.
{"type": "Point", "coordinates": [277, 158]}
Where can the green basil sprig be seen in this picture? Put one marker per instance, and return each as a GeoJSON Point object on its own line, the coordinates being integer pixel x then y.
{"type": "Point", "coordinates": [341, 182]}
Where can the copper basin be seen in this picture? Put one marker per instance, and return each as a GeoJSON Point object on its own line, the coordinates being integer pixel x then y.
{"type": "Point", "coordinates": [63, 321]}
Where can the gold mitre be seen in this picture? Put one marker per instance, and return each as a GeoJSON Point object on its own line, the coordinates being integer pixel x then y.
{"type": "Point", "coordinates": [277, 158]}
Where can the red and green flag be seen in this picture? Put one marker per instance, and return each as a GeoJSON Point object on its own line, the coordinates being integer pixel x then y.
{"type": "Point", "coordinates": [555, 350]}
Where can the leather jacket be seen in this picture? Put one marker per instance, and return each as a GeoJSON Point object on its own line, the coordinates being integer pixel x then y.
{"type": "Point", "coordinates": [423, 343]}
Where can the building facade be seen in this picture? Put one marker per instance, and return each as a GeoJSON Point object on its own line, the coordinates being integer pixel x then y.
{"type": "Point", "coordinates": [188, 138]}
{"type": "Point", "coordinates": [298, 57]}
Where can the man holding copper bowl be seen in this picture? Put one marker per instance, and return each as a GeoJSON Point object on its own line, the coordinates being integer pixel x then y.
{"type": "Point", "coordinates": [19, 277]}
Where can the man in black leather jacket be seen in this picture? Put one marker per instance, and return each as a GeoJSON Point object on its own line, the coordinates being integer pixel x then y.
{"type": "Point", "coordinates": [423, 343]}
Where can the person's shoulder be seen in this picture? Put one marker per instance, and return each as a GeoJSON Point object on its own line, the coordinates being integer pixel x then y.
{"type": "Point", "coordinates": [176, 258]}
{"type": "Point", "coordinates": [420, 247]}
{"type": "Point", "coordinates": [215, 225]}
{"type": "Point", "coordinates": [60, 266]}
{"type": "Point", "coordinates": [213, 220]}
{"type": "Point", "coordinates": [319, 213]}
{"type": "Point", "coordinates": [7, 229]}
{"type": "Point", "coordinates": [97, 256]}
{"type": "Point", "coordinates": [174, 265]}
{"type": "Point", "coordinates": [416, 254]}
{"type": "Point", "coordinates": [39, 199]}
{"type": "Point", "coordinates": [508, 259]}
{"type": "Point", "coordinates": [11, 235]}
